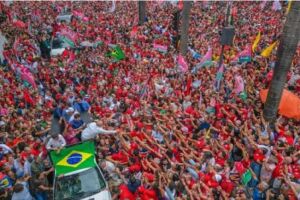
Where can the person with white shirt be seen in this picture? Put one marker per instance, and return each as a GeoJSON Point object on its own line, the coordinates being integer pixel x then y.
{"type": "Point", "coordinates": [21, 192]}
{"type": "Point", "coordinates": [56, 142]}
{"type": "Point", "coordinates": [4, 149]}
{"type": "Point", "coordinates": [111, 169]}
{"type": "Point", "coordinates": [93, 129]}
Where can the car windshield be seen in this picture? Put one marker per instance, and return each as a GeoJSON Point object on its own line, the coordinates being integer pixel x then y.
{"type": "Point", "coordinates": [79, 185]}
{"type": "Point", "coordinates": [57, 43]}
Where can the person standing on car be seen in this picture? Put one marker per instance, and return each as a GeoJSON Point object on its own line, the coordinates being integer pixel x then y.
{"type": "Point", "coordinates": [45, 47]}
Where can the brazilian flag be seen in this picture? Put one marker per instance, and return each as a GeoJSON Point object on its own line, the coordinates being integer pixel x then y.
{"type": "Point", "coordinates": [246, 177]}
{"type": "Point", "coordinates": [117, 53]}
{"type": "Point", "coordinates": [69, 42]}
{"type": "Point", "coordinates": [73, 158]}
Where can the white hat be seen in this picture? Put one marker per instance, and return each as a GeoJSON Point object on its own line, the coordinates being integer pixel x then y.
{"type": "Point", "coordinates": [218, 177]}
{"type": "Point", "coordinates": [70, 109]}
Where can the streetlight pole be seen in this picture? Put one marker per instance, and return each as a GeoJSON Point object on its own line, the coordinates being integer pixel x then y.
{"type": "Point", "coordinates": [226, 24]}
{"type": "Point", "coordinates": [285, 53]}
{"type": "Point", "coordinates": [223, 42]}
{"type": "Point", "coordinates": [184, 37]}
{"type": "Point", "coordinates": [142, 11]}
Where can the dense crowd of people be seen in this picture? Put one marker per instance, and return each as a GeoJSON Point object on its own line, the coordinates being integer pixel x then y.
{"type": "Point", "coordinates": [161, 133]}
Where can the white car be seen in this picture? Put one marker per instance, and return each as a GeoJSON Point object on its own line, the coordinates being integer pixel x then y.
{"type": "Point", "coordinates": [64, 17]}
{"type": "Point", "coordinates": [84, 184]}
{"type": "Point", "coordinates": [58, 46]}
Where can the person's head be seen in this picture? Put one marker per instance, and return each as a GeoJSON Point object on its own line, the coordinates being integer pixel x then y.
{"type": "Point", "coordinates": [77, 116]}
{"type": "Point", "coordinates": [132, 178]}
{"type": "Point", "coordinates": [54, 136]}
{"type": "Point", "coordinates": [70, 111]}
{"type": "Point", "coordinates": [262, 186]}
{"type": "Point", "coordinates": [78, 99]}
{"type": "Point", "coordinates": [103, 164]}
{"type": "Point", "coordinates": [18, 188]}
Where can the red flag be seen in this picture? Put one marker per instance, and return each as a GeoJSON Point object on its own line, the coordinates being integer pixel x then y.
{"type": "Point", "coordinates": [188, 86]}
{"type": "Point", "coordinates": [19, 24]}
{"type": "Point", "coordinates": [234, 11]}
{"type": "Point", "coordinates": [134, 31]}
{"type": "Point", "coordinates": [180, 4]}
{"type": "Point", "coordinates": [71, 57]}
{"type": "Point", "coordinates": [27, 97]}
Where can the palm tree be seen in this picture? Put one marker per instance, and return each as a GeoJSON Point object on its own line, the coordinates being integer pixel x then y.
{"type": "Point", "coordinates": [185, 27]}
{"type": "Point", "coordinates": [285, 53]}
{"type": "Point", "coordinates": [142, 12]}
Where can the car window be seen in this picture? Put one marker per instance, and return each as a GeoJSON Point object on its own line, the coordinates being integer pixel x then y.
{"type": "Point", "coordinates": [78, 186]}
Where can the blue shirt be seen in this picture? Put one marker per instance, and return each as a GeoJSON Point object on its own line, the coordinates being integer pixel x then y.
{"type": "Point", "coordinates": [58, 112]}
{"type": "Point", "coordinates": [256, 168]}
{"type": "Point", "coordinates": [82, 106]}
{"type": "Point", "coordinates": [66, 116]}
{"type": "Point", "coordinates": [133, 186]}
{"type": "Point", "coordinates": [76, 123]}
{"type": "Point", "coordinates": [258, 195]}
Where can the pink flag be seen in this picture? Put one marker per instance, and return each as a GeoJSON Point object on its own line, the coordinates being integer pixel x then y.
{"type": "Point", "coordinates": [27, 76]}
{"type": "Point", "coordinates": [161, 48]}
{"type": "Point", "coordinates": [69, 34]}
{"type": "Point", "coordinates": [207, 56]}
{"type": "Point", "coordinates": [78, 14]}
{"type": "Point", "coordinates": [238, 84]}
{"type": "Point", "coordinates": [180, 4]}
{"type": "Point", "coordinates": [182, 64]}
{"type": "Point", "coordinates": [85, 19]}
{"type": "Point", "coordinates": [246, 52]}
{"type": "Point", "coordinates": [263, 4]}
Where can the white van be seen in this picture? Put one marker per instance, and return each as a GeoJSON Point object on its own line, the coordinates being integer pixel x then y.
{"type": "Point", "coordinates": [58, 46]}
{"type": "Point", "coordinates": [65, 18]}
{"type": "Point", "coordinates": [84, 184]}
{"type": "Point", "coordinates": [77, 174]}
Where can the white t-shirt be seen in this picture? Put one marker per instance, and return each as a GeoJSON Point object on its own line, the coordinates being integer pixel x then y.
{"type": "Point", "coordinates": [111, 169]}
{"type": "Point", "coordinates": [5, 149]}
{"type": "Point", "coordinates": [56, 143]}
{"type": "Point", "coordinates": [92, 130]}
{"type": "Point", "coordinates": [23, 195]}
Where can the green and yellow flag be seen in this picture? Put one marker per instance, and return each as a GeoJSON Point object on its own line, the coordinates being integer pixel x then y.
{"type": "Point", "coordinates": [267, 51]}
{"type": "Point", "coordinates": [73, 158]}
{"type": "Point", "coordinates": [256, 41]}
{"type": "Point", "coordinates": [117, 53]}
{"type": "Point", "coordinates": [246, 177]}
{"type": "Point", "coordinates": [288, 7]}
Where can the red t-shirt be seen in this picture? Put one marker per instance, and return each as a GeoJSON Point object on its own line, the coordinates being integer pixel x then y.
{"type": "Point", "coordinates": [120, 156]}
{"type": "Point", "coordinates": [227, 185]}
{"type": "Point", "coordinates": [137, 134]}
{"type": "Point", "coordinates": [125, 194]}
{"type": "Point", "coordinates": [147, 194]}
{"type": "Point", "coordinates": [210, 181]}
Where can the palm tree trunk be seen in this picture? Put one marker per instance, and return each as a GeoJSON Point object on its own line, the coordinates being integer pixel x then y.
{"type": "Point", "coordinates": [285, 53]}
{"type": "Point", "coordinates": [185, 27]}
{"type": "Point", "coordinates": [142, 12]}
